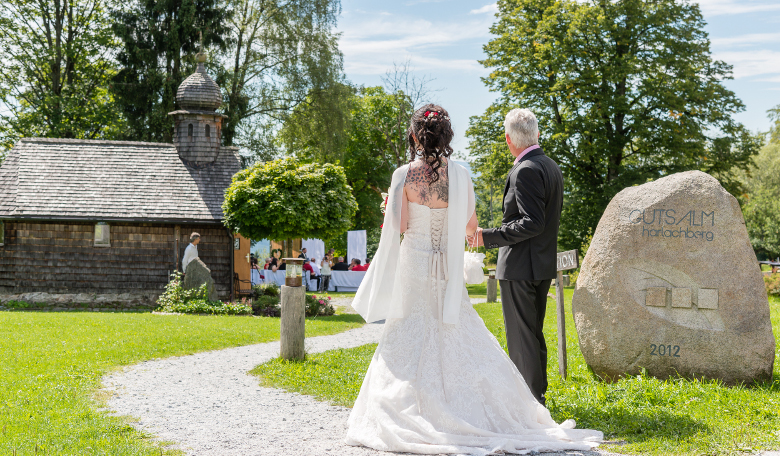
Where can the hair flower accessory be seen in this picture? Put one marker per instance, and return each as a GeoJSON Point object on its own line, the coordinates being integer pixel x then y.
{"type": "Point", "coordinates": [429, 114]}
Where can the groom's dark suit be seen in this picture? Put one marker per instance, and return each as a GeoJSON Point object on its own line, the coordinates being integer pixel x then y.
{"type": "Point", "coordinates": [528, 241]}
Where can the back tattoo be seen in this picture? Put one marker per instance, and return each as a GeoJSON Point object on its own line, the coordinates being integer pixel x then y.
{"type": "Point", "coordinates": [419, 180]}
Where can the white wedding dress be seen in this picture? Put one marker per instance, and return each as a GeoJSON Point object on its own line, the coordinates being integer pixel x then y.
{"type": "Point", "coordinates": [437, 388]}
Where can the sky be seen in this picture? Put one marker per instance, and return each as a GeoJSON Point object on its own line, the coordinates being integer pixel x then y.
{"type": "Point", "coordinates": [442, 40]}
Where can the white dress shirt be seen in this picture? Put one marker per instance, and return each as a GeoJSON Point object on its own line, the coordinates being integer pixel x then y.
{"type": "Point", "coordinates": [315, 267]}
{"type": "Point", "coordinates": [190, 253]}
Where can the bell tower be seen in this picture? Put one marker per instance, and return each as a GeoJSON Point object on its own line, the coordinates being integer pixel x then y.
{"type": "Point", "coordinates": [197, 125]}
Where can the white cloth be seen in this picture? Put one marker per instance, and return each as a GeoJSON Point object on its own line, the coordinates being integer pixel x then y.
{"type": "Point", "coordinates": [255, 277]}
{"type": "Point", "coordinates": [379, 296]}
{"type": "Point", "coordinates": [346, 280]}
{"type": "Point", "coordinates": [356, 246]}
{"type": "Point", "coordinates": [274, 277]}
{"type": "Point", "coordinates": [315, 248]}
{"type": "Point", "coordinates": [190, 253]}
{"type": "Point", "coordinates": [435, 387]}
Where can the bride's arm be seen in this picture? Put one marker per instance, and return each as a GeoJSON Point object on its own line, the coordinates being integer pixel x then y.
{"type": "Point", "coordinates": [404, 211]}
{"type": "Point", "coordinates": [471, 227]}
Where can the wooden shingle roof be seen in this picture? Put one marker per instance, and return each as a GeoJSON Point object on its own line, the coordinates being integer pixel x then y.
{"type": "Point", "coordinates": [111, 180]}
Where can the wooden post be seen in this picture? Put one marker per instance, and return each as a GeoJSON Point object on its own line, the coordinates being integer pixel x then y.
{"type": "Point", "coordinates": [176, 237]}
{"type": "Point", "coordinates": [563, 360]}
{"type": "Point", "coordinates": [492, 286]}
{"type": "Point", "coordinates": [566, 260]}
{"type": "Point", "coordinates": [293, 322]}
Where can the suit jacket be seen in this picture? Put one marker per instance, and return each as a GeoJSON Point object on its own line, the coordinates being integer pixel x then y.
{"type": "Point", "coordinates": [528, 235]}
{"type": "Point", "coordinates": [341, 266]}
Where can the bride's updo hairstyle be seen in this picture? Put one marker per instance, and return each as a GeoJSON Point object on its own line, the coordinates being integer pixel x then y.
{"type": "Point", "coordinates": [433, 130]}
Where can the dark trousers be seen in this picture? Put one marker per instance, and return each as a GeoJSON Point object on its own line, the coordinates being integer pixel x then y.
{"type": "Point", "coordinates": [525, 303]}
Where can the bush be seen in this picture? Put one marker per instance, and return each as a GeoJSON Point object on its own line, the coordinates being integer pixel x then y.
{"type": "Point", "coordinates": [772, 283]}
{"type": "Point", "coordinates": [266, 306]}
{"type": "Point", "coordinates": [266, 289]}
{"type": "Point", "coordinates": [175, 299]}
{"type": "Point", "coordinates": [318, 306]}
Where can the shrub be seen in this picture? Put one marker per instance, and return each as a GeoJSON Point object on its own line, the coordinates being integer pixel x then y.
{"type": "Point", "coordinates": [267, 306]}
{"type": "Point", "coordinates": [266, 289]}
{"type": "Point", "coordinates": [318, 306]}
{"type": "Point", "coordinates": [175, 299]}
{"type": "Point", "coordinates": [772, 283]}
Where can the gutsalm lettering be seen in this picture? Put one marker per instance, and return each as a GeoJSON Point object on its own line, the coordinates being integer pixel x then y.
{"type": "Point", "coordinates": [666, 223]}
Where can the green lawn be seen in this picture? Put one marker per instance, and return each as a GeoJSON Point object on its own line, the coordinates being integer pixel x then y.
{"type": "Point", "coordinates": [52, 364]}
{"type": "Point", "coordinates": [644, 415]}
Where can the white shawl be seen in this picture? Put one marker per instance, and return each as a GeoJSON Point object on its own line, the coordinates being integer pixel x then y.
{"type": "Point", "coordinates": [379, 295]}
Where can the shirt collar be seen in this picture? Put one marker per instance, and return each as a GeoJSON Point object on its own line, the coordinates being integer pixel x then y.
{"type": "Point", "coordinates": [524, 152]}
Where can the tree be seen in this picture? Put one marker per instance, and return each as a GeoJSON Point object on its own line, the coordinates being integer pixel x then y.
{"type": "Point", "coordinates": [365, 140]}
{"type": "Point", "coordinates": [282, 52]}
{"type": "Point", "coordinates": [159, 39]}
{"type": "Point", "coordinates": [56, 67]}
{"type": "Point", "coordinates": [774, 130]}
{"type": "Point", "coordinates": [761, 202]}
{"type": "Point", "coordinates": [625, 91]}
{"type": "Point", "coordinates": [285, 199]}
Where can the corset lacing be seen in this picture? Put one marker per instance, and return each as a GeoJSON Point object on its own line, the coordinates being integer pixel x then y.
{"type": "Point", "coordinates": [438, 258]}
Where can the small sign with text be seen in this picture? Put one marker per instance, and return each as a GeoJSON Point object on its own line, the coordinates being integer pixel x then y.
{"type": "Point", "coordinates": [568, 260]}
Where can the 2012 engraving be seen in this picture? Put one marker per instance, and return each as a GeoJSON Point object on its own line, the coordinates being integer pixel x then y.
{"type": "Point", "coordinates": [665, 350]}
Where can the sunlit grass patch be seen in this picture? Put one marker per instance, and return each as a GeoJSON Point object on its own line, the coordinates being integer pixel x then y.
{"type": "Point", "coordinates": [52, 364]}
{"type": "Point", "coordinates": [644, 414]}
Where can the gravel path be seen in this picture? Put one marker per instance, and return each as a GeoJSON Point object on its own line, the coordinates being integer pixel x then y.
{"type": "Point", "coordinates": [207, 404]}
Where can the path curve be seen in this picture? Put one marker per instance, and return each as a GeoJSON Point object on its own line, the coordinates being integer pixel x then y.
{"type": "Point", "coordinates": [208, 405]}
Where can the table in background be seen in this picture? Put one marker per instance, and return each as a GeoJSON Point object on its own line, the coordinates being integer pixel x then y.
{"type": "Point", "coordinates": [346, 280]}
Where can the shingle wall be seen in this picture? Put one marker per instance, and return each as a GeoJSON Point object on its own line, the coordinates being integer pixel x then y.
{"type": "Point", "coordinates": [60, 257]}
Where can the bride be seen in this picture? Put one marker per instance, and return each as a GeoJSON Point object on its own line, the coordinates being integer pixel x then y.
{"type": "Point", "coordinates": [439, 382]}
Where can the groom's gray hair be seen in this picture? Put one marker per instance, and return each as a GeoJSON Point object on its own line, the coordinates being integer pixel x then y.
{"type": "Point", "coordinates": [522, 127]}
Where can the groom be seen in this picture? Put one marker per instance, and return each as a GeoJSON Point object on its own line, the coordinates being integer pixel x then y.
{"type": "Point", "coordinates": [528, 241]}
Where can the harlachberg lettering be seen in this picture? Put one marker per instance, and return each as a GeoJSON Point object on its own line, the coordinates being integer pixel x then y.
{"type": "Point", "coordinates": [666, 223]}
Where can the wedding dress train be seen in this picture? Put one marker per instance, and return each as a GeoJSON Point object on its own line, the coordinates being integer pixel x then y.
{"type": "Point", "coordinates": [437, 388]}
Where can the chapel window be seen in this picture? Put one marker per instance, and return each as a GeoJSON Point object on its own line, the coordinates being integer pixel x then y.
{"type": "Point", "coordinates": [208, 131]}
{"type": "Point", "coordinates": [102, 235]}
{"type": "Point", "coordinates": [189, 131]}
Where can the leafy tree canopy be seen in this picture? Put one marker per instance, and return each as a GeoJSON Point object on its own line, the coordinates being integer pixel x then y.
{"type": "Point", "coordinates": [363, 132]}
{"type": "Point", "coordinates": [285, 199]}
{"type": "Point", "coordinates": [625, 91]}
{"type": "Point", "coordinates": [761, 202]}
{"type": "Point", "coordinates": [56, 68]}
{"type": "Point", "coordinates": [281, 54]}
{"type": "Point", "coordinates": [159, 40]}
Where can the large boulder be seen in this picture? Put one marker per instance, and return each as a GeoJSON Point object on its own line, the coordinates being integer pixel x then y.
{"type": "Point", "coordinates": [671, 284]}
{"type": "Point", "coordinates": [196, 275]}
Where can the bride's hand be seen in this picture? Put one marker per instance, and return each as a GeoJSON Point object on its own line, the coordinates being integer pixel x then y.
{"type": "Point", "coordinates": [475, 240]}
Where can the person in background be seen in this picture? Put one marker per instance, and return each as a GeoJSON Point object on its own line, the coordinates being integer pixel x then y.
{"type": "Point", "coordinates": [314, 272]}
{"type": "Point", "coordinates": [267, 263]}
{"type": "Point", "coordinates": [325, 272]}
{"type": "Point", "coordinates": [253, 261]}
{"type": "Point", "coordinates": [341, 265]}
{"type": "Point", "coordinates": [283, 265]}
{"type": "Point", "coordinates": [368, 263]}
{"type": "Point", "coordinates": [303, 254]}
{"type": "Point", "coordinates": [191, 252]}
{"type": "Point", "coordinates": [355, 264]}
